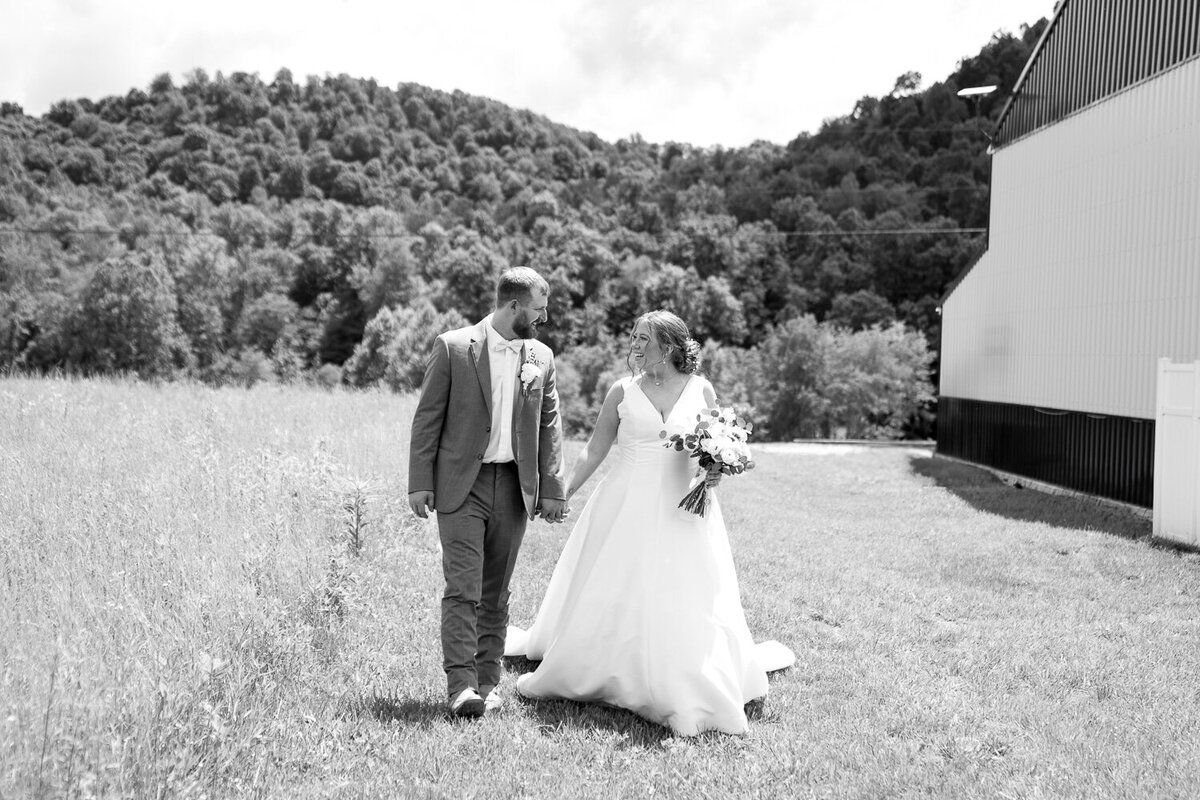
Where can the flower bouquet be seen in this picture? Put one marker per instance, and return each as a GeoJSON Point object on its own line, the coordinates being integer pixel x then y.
{"type": "Point", "coordinates": [719, 443]}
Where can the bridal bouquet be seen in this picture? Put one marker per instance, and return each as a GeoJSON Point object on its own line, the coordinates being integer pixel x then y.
{"type": "Point", "coordinates": [719, 443]}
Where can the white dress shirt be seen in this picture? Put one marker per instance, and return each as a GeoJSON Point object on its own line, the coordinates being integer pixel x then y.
{"type": "Point", "coordinates": [504, 358]}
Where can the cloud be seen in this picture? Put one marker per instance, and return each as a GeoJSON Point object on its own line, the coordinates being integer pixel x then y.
{"type": "Point", "coordinates": [682, 42]}
{"type": "Point", "coordinates": [658, 68]}
{"type": "Point", "coordinates": [699, 71]}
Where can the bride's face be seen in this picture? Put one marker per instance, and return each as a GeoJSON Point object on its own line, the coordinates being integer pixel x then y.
{"type": "Point", "coordinates": [644, 349]}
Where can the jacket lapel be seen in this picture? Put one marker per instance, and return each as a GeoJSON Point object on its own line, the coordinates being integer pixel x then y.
{"type": "Point", "coordinates": [519, 401]}
{"type": "Point", "coordinates": [518, 386]}
{"type": "Point", "coordinates": [483, 366]}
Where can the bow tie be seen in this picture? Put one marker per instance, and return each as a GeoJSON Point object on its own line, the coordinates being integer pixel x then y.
{"type": "Point", "coordinates": [512, 344]}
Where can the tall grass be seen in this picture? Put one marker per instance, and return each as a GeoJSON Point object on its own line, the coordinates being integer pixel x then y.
{"type": "Point", "coordinates": [176, 569]}
{"type": "Point", "coordinates": [221, 593]}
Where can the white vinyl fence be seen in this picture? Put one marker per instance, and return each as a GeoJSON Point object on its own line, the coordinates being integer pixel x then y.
{"type": "Point", "coordinates": [1177, 453]}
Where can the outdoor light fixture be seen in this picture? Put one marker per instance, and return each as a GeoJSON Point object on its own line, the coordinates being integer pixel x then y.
{"type": "Point", "coordinates": [974, 91]}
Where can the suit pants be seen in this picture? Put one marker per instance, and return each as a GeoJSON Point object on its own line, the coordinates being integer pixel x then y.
{"type": "Point", "coordinates": [480, 540]}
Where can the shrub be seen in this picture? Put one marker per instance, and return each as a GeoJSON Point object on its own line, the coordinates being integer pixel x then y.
{"type": "Point", "coordinates": [736, 375]}
{"type": "Point", "coordinates": [585, 374]}
{"type": "Point", "coordinates": [265, 320]}
{"type": "Point", "coordinates": [817, 378]}
{"type": "Point", "coordinates": [876, 380]}
{"type": "Point", "coordinates": [395, 345]}
{"type": "Point", "coordinates": [328, 375]}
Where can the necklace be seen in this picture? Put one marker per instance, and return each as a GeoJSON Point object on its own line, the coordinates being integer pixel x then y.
{"type": "Point", "coordinates": [662, 380]}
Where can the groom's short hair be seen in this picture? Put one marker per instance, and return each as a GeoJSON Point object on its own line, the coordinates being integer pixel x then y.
{"type": "Point", "coordinates": [518, 283]}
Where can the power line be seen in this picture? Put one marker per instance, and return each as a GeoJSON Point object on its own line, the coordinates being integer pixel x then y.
{"type": "Point", "coordinates": [309, 236]}
{"type": "Point", "coordinates": [194, 234]}
{"type": "Point", "coordinates": [106, 232]}
{"type": "Point", "coordinates": [880, 232]}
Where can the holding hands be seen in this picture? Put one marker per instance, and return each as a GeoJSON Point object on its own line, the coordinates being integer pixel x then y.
{"type": "Point", "coordinates": [549, 510]}
{"type": "Point", "coordinates": [554, 510]}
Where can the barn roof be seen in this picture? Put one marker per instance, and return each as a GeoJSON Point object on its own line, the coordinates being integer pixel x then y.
{"type": "Point", "coordinates": [1092, 50]}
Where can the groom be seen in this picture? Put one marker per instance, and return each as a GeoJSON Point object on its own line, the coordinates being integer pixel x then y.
{"type": "Point", "coordinates": [486, 454]}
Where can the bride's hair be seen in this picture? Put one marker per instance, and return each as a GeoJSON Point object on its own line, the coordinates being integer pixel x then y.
{"type": "Point", "coordinates": [671, 333]}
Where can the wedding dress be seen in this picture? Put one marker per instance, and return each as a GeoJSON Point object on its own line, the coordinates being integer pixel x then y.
{"type": "Point", "coordinates": [643, 611]}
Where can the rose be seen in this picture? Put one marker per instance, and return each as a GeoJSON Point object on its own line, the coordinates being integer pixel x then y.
{"type": "Point", "coordinates": [529, 373]}
{"type": "Point", "coordinates": [721, 444]}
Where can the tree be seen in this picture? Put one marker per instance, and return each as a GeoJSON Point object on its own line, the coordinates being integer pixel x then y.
{"type": "Point", "coordinates": [265, 322]}
{"type": "Point", "coordinates": [861, 309]}
{"type": "Point", "coordinates": [585, 375]}
{"type": "Point", "coordinates": [792, 359]}
{"type": "Point", "coordinates": [386, 271]}
{"type": "Point", "coordinates": [819, 379]}
{"type": "Point", "coordinates": [737, 375]}
{"type": "Point", "coordinates": [462, 273]}
{"type": "Point", "coordinates": [293, 214]}
{"type": "Point", "coordinates": [202, 272]}
{"type": "Point", "coordinates": [875, 380]}
{"type": "Point", "coordinates": [906, 84]}
{"type": "Point", "coordinates": [395, 346]}
{"type": "Point", "coordinates": [290, 183]}
{"type": "Point", "coordinates": [127, 319]}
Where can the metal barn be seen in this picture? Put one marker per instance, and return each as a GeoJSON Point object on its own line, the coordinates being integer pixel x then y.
{"type": "Point", "coordinates": [1050, 339]}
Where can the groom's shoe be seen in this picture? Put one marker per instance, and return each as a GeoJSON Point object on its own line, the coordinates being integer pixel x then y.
{"type": "Point", "coordinates": [467, 704]}
{"type": "Point", "coordinates": [493, 699]}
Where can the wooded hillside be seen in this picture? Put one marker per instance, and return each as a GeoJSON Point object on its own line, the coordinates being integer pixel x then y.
{"type": "Point", "coordinates": [230, 228]}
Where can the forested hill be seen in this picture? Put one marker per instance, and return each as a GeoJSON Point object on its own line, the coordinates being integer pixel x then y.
{"type": "Point", "coordinates": [200, 227]}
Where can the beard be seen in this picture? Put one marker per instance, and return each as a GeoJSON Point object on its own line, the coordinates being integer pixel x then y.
{"type": "Point", "coordinates": [525, 327]}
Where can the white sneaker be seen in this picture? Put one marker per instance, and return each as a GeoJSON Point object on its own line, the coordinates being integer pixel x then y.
{"type": "Point", "coordinates": [493, 698]}
{"type": "Point", "coordinates": [468, 703]}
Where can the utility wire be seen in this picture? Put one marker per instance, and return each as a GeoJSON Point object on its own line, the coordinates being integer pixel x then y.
{"type": "Point", "coordinates": [310, 236]}
{"type": "Point", "coordinates": [881, 232]}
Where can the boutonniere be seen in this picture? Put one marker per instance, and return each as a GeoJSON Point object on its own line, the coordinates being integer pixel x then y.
{"type": "Point", "coordinates": [530, 370]}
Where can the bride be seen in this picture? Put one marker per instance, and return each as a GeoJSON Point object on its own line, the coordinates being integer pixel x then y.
{"type": "Point", "coordinates": [642, 611]}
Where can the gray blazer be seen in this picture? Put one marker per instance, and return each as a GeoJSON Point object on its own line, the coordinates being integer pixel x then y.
{"type": "Point", "coordinates": [452, 424]}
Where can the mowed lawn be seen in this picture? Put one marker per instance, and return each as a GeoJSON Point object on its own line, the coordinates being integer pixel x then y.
{"type": "Point", "coordinates": [183, 614]}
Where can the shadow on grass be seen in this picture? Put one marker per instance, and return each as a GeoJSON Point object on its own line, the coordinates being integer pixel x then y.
{"type": "Point", "coordinates": [555, 716]}
{"type": "Point", "coordinates": [985, 492]}
{"type": "Point", "coordinates": [518, 665]}
{"type": "Point", "coordinates": [419, 712]}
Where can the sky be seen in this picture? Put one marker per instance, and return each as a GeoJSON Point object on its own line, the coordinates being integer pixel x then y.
{"type": "Point", "coordinates": [702, 72]}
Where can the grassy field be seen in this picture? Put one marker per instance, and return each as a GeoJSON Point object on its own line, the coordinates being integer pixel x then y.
{"type": "Point", "coordinates": [189, 608]}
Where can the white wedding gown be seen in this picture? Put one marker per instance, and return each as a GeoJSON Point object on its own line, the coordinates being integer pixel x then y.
{"type": "Point", "coordinates": [643, 610]}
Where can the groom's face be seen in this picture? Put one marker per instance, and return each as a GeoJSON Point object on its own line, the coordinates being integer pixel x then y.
{"type": "Point", "coordinates": [530, 314]}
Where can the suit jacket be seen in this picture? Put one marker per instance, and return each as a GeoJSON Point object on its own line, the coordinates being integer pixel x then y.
{"type": "Point", "coordinates": [453, 420]}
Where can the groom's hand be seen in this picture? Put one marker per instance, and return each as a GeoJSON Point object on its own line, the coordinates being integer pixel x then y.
{"type": "Point", "coordinates": [420, 501]}
{"type": "Point", "coordinates": [554, 510]}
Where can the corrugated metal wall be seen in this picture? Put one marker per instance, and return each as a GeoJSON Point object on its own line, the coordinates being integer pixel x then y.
{"type": "Point", "coordinates": [1093, 266]}
{"type": "Point", "coordinates": [1102, 455]}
